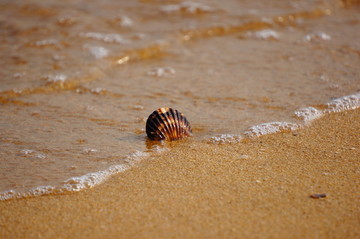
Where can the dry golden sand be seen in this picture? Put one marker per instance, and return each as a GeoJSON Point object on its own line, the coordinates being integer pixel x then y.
{"type": "Point", "coordinates": [200, 190]}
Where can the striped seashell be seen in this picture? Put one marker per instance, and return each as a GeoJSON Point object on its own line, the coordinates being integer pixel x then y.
{"type": "Point", "coordinates": [168, 124]}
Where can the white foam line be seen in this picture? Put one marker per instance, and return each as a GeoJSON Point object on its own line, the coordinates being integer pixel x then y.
{"type": "Point", "coordinates": [226, 139]}
{"type": "Point", "coordinates": [73, 184]}
{"type": "Point", "coordinates": [341, 104]}
{"type": "Point", "coordinates": [349, 102]}
{"type": "Point", "coordinates": [105, 37]}
{"type": "Point", "coordinates": [77, 183]}
{"type": "Point", "coordinates": [97, 51]}
{"type": "Point", "coordinates": [187, 6]}
{"type": "Point", "coordinates": [307, 114]}
{"type": "Point", "coordinates": [264, 34]}
{"type": "Point", "coordinates": [270, 128]}
{"type": "Point", "coordinates": [91, 179]}
{"type": "Point", "coordinates": [317, 36]}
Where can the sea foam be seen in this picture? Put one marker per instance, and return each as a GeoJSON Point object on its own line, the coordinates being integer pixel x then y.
{"type": "Point", "coordinates": [187, 6]}
{"type": "Point", "coordinates": [105, 37]}
{"type": "Point", "coordinates": [56, 78]}
{"type": "Point", "coordinates": [77, 183]}
{"type": "Point", "coordinates": [91, 179]}
{"type": "Point", "coordinates": [46, 42]}
{"type": "Point", "coordinates": [270, 128]}
{"type": "Point", "coordinates": [306, 114]}
{"type": "Point", "coordinates": [97, 51]}
{"type": "Point", "coordinates": [72, 184]}
{"type": "Point", "coordinates": [161, 71]}
{"type": "Point", "coordinates": [317, 36]}
{"type": "Point", "coordinates": [344, 103]}
{"type": "Point", "coordinates": [264, 34]}
{"type": "Point", "coordinates": [226, 139]}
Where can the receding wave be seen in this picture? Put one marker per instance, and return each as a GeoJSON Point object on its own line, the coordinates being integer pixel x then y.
{"type": "Point", "coordinates": [75, 184]}
{"type": "Point", "coordinates": [90, 180]}
{"type": "Point", "coordinates": [307, 115]}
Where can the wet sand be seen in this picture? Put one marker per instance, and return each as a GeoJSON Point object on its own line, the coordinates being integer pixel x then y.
{"type": "Point", "coordinates": [257, 188]}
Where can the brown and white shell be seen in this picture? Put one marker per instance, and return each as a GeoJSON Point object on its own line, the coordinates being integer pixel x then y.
{"type": "Point", "coordinates": [167, 124]}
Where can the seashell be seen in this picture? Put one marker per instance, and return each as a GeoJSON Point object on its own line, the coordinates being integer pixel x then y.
{"type": "Point", "coordinates": [168, 124]}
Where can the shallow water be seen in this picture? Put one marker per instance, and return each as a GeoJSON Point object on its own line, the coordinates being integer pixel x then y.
{"type": "Point", "coordinates": [81, 78]}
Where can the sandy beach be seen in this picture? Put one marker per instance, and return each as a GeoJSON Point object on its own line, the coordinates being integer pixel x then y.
{"type": "Point", "coordinates": [259, 188]}
{"type": "Point", "coordinates": [270, 88]}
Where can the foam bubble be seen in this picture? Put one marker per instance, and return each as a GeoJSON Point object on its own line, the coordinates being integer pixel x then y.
{"type": "Point", "coordinates": [267, 20]}
{"type": "Point", "coordinates": [27, 151]}
{"type": "Point", "coordinates": [91, 179]}
{"type": "Point", "coordinates": [38, 191]}
{"type": "Point", "coordinates": [226, 139]}
{"type": "Point", "coordinates": [89, 150]}
{"type": "Point", "coordinates": [159, 149]}
{"type": "Point", "coordinates": [41, 190]}
{"type": "Point", "coordinates": [105, 37]}
{"type": "Point", "coordinates": [47, 42]}
{"type": "Point", "coordinates": [308, 114]}
{"type": "Point", "coordinates": [8, 195]}
{"type": "Point", "coordinates": [125, 21]}
{"type": "Point", "coordinates": [161, 71]}
{"type": "Point", "coordinates": [137, 155]}
{"type": "Point", "coordinates": [18, 74]}
{"type": "Point", "coordinates": [66, 21]}
{"type": "Point", "coordinates": [264, 34]}
{"type": "Point", "coordinates": [189, 7]}
{"type": "Point", "coordinates": [270, 128]}
{"type": "Point", "coordinates": [56, 78]}
{"type": "Point", "coordinates": [317, 36]}
{"type": "Point", "coordinates": [137, 107]}
{"type": "Point", "coordinates": [344, 103]}
{"type": "Point", "coordinates": [41, 156]}
{"type": "Point", "coordinates": [98, 90]}
{"type": "Point", "coordinates": [97, 51]}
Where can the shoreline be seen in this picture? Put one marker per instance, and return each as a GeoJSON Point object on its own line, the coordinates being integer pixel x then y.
{"type": "Point", "coordinates": [260, 187]}
{"type": "Point", "coordinates": [84, 110]}
{"type": "Point", "coordinates": [92, 179]}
